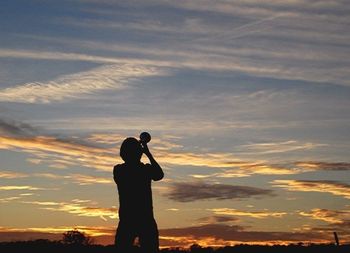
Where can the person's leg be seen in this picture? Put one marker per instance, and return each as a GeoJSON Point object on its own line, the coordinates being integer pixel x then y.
{"type": "Point", "coordinates": [124, 237]}
{"type": "Point", "coordinates": [149, 237]}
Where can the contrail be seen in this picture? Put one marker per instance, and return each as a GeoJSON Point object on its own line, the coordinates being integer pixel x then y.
{"type": "Point", "coordinates": [240, 29]}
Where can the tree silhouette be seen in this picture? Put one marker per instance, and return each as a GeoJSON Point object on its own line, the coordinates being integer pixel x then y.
{"type": "Point", "coordinates": [75, 237]}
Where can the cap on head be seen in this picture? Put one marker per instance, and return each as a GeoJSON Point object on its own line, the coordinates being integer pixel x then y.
{"type": "Point", "coordinates": [131, 150]}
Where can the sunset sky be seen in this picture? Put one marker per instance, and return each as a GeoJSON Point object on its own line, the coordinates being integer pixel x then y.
{"type": "Point", "coordinates": [247, 102]}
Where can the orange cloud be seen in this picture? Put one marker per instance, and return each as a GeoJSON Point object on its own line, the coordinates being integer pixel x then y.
{"type": "Point", "coordinates": [78, 209]}
{"type": "Point", "coordinates": [246, 169]}
{"type": "Point", "coordinates": [91, 231]}
{"type": "Point", "coordinates": [86, 179]}
{"type": "Point", "coordinates": [68, 152]}
{"type": "Point", "coordinates": [333, 187]}
{"type": "Point", "coordinates": [281, 147]}
{"type": "Point", "coordinates": [329, 216]}
{"type": "Point", "coordinates": [64, 153]}
{"type": "Point", "coordinates": [8, 199]}
{"type": "Point", "coordinates": [11, 175]}
{"type": "Point", "coordinates": [19, 187]}
{"type": "Point", "coordinates": [316, 165]}
{"type": "Point", "coordinates": [256, 214]}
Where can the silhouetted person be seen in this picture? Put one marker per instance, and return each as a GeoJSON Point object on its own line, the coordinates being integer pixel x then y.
{"type": "Point", "coordinates": [133, 179]}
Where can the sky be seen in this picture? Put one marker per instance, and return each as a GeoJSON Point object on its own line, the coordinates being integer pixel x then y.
{"type": "Point", "coordinates": [247, 103]}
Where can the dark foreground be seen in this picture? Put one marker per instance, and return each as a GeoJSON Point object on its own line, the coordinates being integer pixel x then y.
{"type": "Point", "coordinates": [46, 246]}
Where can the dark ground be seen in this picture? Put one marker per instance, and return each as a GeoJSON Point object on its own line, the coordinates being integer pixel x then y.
{"type": "Point", "coordinates": [46, 246]}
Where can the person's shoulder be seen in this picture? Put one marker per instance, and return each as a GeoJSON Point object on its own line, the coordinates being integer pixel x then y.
{"type": "Point", "coordinates": [118, 167]}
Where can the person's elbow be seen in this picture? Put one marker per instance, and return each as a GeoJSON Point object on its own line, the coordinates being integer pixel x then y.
{"type": "Point", "coordinates": [158, 176]}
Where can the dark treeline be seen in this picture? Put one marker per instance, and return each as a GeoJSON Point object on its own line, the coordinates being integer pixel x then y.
{"type": "Point", "coordinates": [46, 246]}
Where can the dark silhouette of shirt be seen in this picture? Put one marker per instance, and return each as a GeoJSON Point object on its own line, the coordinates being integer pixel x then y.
{"type": "Point", "coordinates": [134, 187]}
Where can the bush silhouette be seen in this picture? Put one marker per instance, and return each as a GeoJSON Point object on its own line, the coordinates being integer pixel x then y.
{"type": "Point", "coordinates": [75, 237]}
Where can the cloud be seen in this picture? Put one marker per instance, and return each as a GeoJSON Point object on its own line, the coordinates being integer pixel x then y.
{"type": "Point", "coordinates": [87, 179]}
{"type": "Point", "coordinates": [80, 179]}
{"type": "Point", "coordinates": [329, 216]}
{"type": "Point", "coordinates": [108, 77]}
{"type": "Point", "coordinates": [16, 128]}
{"type": "Point", "coordinates": [76, 208]}
{"type": "Point", "coordinates": [253, 214]}
{"type": "Point", "coordinates": [98, 150]}
{"type": "Point", "coordinates": [9, 199]}
{"type": "Point", "coordinates": [192, 191]}
{"type": "Point", "coordinates": [205, 235]}
{"type": "Point", "coordinates": [48, 55]}
{"type": "Point", "coordinates": [77, 178]}
{"type": "Point", "coordinates": [12, 175]}
{"type": "Point", "coordinates": [69, 152]}
{"type": "Point", "coordinates": [246, 169]}
{"type": "Point", "coordinates": [19, 187]}
{"type": "Point", "coordinates": [220, 234]}
{"type": "Point", "coordinates": [319, 165]}
{"type": "Point", "coordinates": [327, 186]}
{"type": "Point", "coordinates": [280, 147]}
{"type": "Point", "coordinates": [57, 150]}
{"type": "Point", "coordinates": [216, 219]}
{"type": "Point", "coordinates": [8, 234]}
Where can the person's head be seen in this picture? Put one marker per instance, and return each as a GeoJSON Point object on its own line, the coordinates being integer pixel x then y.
{"type": "Point", "coordinates": [131, 150]}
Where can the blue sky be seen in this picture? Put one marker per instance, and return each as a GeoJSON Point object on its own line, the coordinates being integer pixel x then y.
{"type": "Point", "coordinates": [245, 100]}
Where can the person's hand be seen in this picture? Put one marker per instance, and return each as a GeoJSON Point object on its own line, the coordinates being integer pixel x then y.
{"type": "Point", "coordinates": [145, 149]}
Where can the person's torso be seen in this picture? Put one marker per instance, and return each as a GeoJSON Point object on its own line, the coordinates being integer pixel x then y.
{"type": "Point", "coordinates": [134, 188]}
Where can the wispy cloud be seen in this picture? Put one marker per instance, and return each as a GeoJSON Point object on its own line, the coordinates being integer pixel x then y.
{"type": "Point", "coordinates": [87, 180]}
{"type": "Point", "coordinates": [192, 191]}
{"type": "Point", "coordinates": [51, 148]}
{"type": "Point", "coordinates": [253, 214]}
{"type": "Point", "coordinates": [12, 175]}
{"type": "Point", "coordinates": [77, 208]}
{"type": "Point", "coordinates": [90, 231]}
{"type": "Point", "coordinates": [9, 199]}
{"type": "Point", "coordinates": [216, 219]}
{"type": "Point", "coordinates": [220, 234]}
{"type": "Point", "coordinates": [19, 187]}
{"type": "Point", "coordinates": [108, 77]}
{"type": "Point", "coordinates": [68, 152]}
{"type": "Point", "coordinates": [16, 128]}
{"type": "Point", "coordinates": [321, 165]}
{"type": "Point", "coordinates": [281, 147]}
{"type": "Point", "coordinates": [329, 216]}
{"type": "Point", "coordinates": [326, 186]}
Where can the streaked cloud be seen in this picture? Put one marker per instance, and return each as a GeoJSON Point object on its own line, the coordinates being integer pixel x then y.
{"type": "Point", "coordinates": [252, 214]}
{"type": "Point", "coordinates": [216, 219]}
{"type": "Point", "coordinates": [80, 179]}
{"type": "Point", "coordinates": [326, 186]}
{"type": "Point", "coordinates": [51, 148]}
{"type": "Point", "coordinates": [62, 56]}
{"type": "Point", "coordinates": [87, 179]}
{"type": "Point", "coordinates": [12, 175]}
{"type": "Point", "coordinates": [90, 231]}
{"type": "Point", "coordinates": [19, 187]}
{"type": "Point", "coordinates": [9, 199]}
{"type": "Point", "coordinates": [71, 152]}
{"type": "Point", "coordinates": [220, 234]}
{"type": "Point", "coordinates": [192, 191]}
{"type": "Point", "coordinates": [320, 165]}
{"type": "Point", "coordinates": [108, 77]}
{"type": "Point", "coordinates": [16, 128]}
{"type": "Point", "coordinates": [77, 208]}
{"type": "Point", "coordinates": [280, 147]}
{"type": "Point", "coordinates": [329, 216]}
{"type": "Point", "coordinates": [246, 169]}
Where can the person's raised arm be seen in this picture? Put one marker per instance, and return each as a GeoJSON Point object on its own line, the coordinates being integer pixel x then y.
{"type": "Point", "coordinates": [157, 171]}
